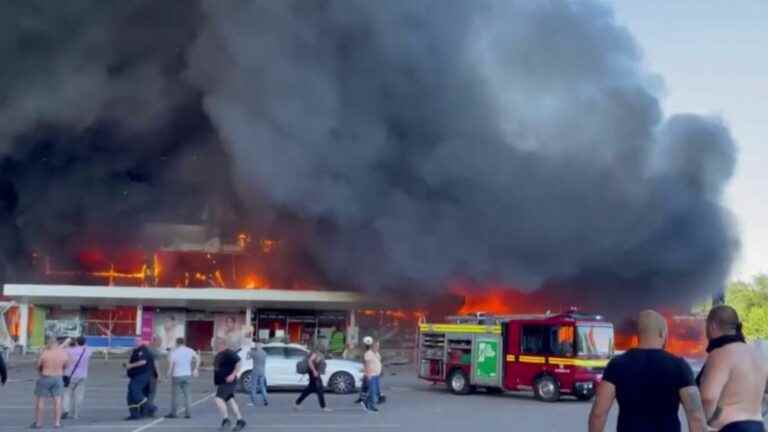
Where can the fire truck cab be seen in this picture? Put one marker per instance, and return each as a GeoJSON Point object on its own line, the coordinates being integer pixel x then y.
{"type": "Point", "coordinates": [551, 354]}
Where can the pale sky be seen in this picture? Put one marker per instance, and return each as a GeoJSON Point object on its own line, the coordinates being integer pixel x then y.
{"type": "Point", "coordinates": [713, 57]}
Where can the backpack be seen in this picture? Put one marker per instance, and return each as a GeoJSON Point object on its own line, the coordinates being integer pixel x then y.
{"type": "Point", "coordinates": [302, 366]}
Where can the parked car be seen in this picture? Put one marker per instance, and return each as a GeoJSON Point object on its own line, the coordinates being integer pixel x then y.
{"type": "Point", "coordinates": [341, 376]}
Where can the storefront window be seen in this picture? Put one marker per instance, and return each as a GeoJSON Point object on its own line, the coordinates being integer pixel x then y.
{"type": "Point", "coordinates": [120, 321]}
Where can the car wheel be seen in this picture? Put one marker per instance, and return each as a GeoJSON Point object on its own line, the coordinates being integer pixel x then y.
{"type": "Point", "coordinates": [245, 381]}
{"type": "Point", "coordinates": [458, 383]}
{"type": "Point", "coordinates": [546, 388]}
{"type": "Point", "coordinates": [342, 383]}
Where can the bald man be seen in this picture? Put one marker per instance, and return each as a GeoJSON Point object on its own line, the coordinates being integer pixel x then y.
{"type": "Point", "coordinates": [733, 379]}
{"type": "Point", "coordinates": [649, 384]}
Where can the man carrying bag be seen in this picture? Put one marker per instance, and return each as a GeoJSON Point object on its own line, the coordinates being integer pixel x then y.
{"type": "Point", "coordinates": [74, 380]}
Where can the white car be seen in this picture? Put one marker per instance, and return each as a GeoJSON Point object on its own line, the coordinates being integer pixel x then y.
{"type": "Point", "coordinates": [341, 376]}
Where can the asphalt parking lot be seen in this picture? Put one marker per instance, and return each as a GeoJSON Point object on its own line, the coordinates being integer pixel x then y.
{"type": "Point", "coordinates": [412, 405]}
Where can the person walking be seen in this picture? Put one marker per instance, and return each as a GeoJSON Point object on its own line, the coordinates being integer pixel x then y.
{"type": "Point", "coordinates": [158, 354]}
{"type": "Point", "coordinates": [77, 374]}
{"type": "Point", "coordinates": [3, 369]}
{"type": "Point", "coordinates": [183, 364]}
{"type": "Point", "coordinates": [733, 379]}
{"type": "Point", "coordinates": [315, 367]}
{"type": "Point", "coordinates": [258, 373]}
{"type": "Point", "coordinates": [51, 365]}
{"type": "Point", "coordinates": [140, 370]}
{"type": "Point", "coordinates": [649, 384]}
{"type": "Point", "coordinates": [226, 366]}
{"type": "Point", "coordinates": [372, 364]}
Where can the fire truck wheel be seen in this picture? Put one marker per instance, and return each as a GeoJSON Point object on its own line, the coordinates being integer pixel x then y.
{"type": "Point", "coordinates": [458, 383]}
{"type": "Point", "coordinates": [546, 388]}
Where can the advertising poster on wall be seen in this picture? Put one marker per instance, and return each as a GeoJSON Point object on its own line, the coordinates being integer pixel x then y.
{"type": "Point", "coordinates": [147, 325]}
{"type": "Point", "coordinates": [169, 326]}
{"type": "Point", "coordinates": [232, 328]}
{"type": "Point", "coordinates": [63, 328]}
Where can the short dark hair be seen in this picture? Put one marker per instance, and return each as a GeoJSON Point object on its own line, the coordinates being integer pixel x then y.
{"type": "Point", "coordinates": [80, 340]}
{"type": "Point", "coordinates": [725, 318]}
{"type": "Point", "coordinates": [179, 341]}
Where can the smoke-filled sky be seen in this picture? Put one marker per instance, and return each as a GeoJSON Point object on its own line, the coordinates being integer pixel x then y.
{"type": "Point", "coordinates": [414, 142]}
{"type": "Point", "coordinates": [710, 62]}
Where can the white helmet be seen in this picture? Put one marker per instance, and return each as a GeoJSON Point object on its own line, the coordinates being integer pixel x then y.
{"type": "Point", "coordinates": [368, 340]}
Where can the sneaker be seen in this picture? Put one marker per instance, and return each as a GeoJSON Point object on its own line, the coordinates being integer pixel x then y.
{"type": "Point", "coordinates": [358, 401]}
{"type": "Point", "coordinates": [225, 424]}
{"type": "Point", "coordinates": [373, 409]}
{"type": "Point", "coordinates": [326, 409]}
{"type": "Point", "coordinates": [266, 403]}
{"type": "Point", "coordinates": [171, 416]}
{"type": "Point", "coordinates": [240, 425]}
{"type": "Point", "coordinates": [132, 418]}
{"type": "Point", "coordinates": [35, 426]}
{"type": "Point", "coordinates": [187, 416]}
{"type": "Point", "coordinates": [64, 416]}
{"type": "Point", "coordinates": [362, 404]}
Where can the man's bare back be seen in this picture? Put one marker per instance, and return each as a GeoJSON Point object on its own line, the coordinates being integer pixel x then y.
{"type": "Point", "coordinates": [741, 372]}
{"type": "Point", "coordinates": [53, 362]}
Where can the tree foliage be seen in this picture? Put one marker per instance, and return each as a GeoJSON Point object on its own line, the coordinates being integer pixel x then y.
{"type": "Point", "coordinates": [751, 302]}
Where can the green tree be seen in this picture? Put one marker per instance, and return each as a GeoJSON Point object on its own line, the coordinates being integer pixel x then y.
{"type": "Point", "coordinates": [750, 299]}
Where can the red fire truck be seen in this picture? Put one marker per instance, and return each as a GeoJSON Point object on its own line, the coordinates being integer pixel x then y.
{"type": "Point", "coordinates": [551, 354]}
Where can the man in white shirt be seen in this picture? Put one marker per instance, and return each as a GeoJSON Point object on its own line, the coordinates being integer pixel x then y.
{"type": "Point", "coordinates": [372, 363]}
{"type": "Point", "coordinates": [183, 365]}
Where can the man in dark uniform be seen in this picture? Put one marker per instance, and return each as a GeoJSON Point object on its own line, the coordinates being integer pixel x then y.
{"type": "Point", "coordinates": [140, 370]}
{"type": "Point", "coordinates": [3, 370]}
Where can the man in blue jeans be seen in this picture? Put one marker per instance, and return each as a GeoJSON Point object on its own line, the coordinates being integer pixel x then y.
{"type": "Point", "coordinates": [372, 362]}
{"type": "Point", "coordinates": [258, 373]}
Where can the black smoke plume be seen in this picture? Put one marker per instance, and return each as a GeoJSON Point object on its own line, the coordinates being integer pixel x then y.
{"type": "Point", "coordinates": [400, 144]}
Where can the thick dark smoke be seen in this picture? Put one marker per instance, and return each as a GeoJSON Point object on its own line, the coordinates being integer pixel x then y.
{"type": "Point", "coordinates": [413, 143]}
{"type": "Point", "coordinates": [99, 133]}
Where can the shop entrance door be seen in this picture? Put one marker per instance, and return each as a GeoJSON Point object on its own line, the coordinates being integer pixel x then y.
{"type": "Point", "coordinates": [200, 335]}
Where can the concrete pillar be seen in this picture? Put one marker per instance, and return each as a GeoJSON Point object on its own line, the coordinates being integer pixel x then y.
{"type": "Point", "coordinates": [352, 330]}
{"type": "Point", "coordinates": [139, 319]}
{"type": "Point", "coordinates": [249, 331]}
{"type": "Point", "coordinates": [24, 326]}
{"type": "Point", "coordinates": [248, 316]}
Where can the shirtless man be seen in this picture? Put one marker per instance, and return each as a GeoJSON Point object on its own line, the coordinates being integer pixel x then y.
{"type": "Point", "coordinates": [734, 378]}
{"type": "Point", "coordinates": [51, 365]}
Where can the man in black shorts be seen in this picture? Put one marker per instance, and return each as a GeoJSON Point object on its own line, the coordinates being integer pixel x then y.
{"type": "Point", "coordinates": [649, 384]}
{"type": "Point", "coordinates": [226, 366]}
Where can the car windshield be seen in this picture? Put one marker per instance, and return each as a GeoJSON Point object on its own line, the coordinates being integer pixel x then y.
{"type": "Point", "coordinates": [594, 341]}
{"type": "Point", "coordinates": [297, 353]}
{"type": "Point", "coordinates": [275, 351]}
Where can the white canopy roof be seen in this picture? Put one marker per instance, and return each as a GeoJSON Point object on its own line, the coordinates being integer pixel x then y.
{"type": "Point", "coordinates": [191, 298]}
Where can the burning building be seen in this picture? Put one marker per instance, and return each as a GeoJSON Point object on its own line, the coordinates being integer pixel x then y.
{"type": "Point", "coordinates": [390, 148]}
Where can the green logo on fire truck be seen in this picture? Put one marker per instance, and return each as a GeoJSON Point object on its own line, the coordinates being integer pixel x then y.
{"type": "Point", "coordinates": [487, 356]}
